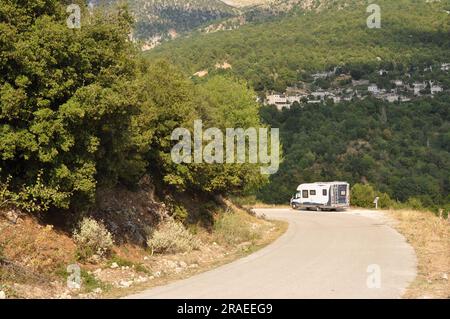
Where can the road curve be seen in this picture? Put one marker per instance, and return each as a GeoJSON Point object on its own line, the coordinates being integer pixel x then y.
{"type": "Point", "coordinates": [322, 255]}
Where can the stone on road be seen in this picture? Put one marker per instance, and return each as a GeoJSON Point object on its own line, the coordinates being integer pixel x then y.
{"type": "Point", "coordinates": [353, 254]}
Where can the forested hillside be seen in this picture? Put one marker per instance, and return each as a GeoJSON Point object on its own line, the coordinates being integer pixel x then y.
{"type": "Point", "coordinates": [402, 149]}
{"type": "Point", "coordinates": [279, 53]}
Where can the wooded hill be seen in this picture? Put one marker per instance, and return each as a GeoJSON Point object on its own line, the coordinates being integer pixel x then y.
{"type": "Point", "coordinates": [278, 53]}
{"type": "Point", "coordinates": [403, 150]}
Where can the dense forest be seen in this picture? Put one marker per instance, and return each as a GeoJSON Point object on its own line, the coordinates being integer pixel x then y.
{"type": "Point", "coordinates": [81, 111]}
{"type": "Point", "coordinates": [403, 149]}
{"type": "Point", "coordinates": [280, 52]}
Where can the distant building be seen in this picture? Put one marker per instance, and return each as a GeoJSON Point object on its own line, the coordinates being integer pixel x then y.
{"type": "Point", "coordinates": [279, 100]}
{"type": "Point", "coordinates": [336, 99]}
{"type": "Point", "coordinates": [295, 98]}
{"type": "Point", "coordinates": [398, 82]}
{"type": "Point", "coordinates": [404, 99]}
{"type": "Point", "coordinates": [391, 97]}
{"type": "Point", "coordinates": [360, 82]}
{"type": "Point", "coordinates": [319, 95]}
{"type": "Point", "coordinates": [436, 89]}
{"type": "Point", "coordinates": [418, 87]}
{"type": "Point", "coordinates": [373, 88]}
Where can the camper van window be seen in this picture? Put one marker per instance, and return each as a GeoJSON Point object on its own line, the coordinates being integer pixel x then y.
{"type": "Point", "coordinates": [324, 192]}
{"type": "Point", "coordinates": [343, 193]}
{"type": "Point", "coordinates": [305, 194]}
{"type": "Point", "coordinates": [312, 192]}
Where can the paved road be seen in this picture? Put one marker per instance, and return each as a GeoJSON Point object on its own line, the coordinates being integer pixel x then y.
{"type": "Point", "coordinates": [322, 255]}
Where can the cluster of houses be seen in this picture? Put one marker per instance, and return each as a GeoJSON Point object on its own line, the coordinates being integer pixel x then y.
{"type": "Point", "coordinates": [402, 92]}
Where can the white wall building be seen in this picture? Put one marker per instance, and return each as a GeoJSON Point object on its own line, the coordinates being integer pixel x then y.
{"type": "Point", "coordinates": [418, 87]}
{"type": "Point", "coordinates": [373, 88]}
{"type": "Point", "coordinates": [436, 89]}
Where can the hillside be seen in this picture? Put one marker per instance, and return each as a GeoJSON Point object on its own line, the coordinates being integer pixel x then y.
{"type": "Point", "coordinates": [157, 20]}
{"type": "Point", "coordinates": [278, 53]}
{"type": "Point", "coordinates": [402, 149]}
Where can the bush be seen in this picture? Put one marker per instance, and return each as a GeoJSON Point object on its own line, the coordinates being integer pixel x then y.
{"type": "Point", "coordinates": [172, 237]}
{"type": "Point", "coordinates": [414, 203]}
{"type": "Point", "coordinates": [363, 196]}
{"type": "Point", "coordinates": [385, 201]}
{"type": "Point", "coordinates": [231, 228]}
{"type": "Point", "coordinates": [93, 240]}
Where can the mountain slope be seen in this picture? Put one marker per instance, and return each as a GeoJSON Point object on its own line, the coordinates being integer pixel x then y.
{"type": "Point", "coordinates": [168, 18]}
{"type": "Point", "coordinates": [276, 53]}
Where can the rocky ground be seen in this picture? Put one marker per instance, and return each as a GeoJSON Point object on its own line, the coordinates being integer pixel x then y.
{"type": "Point", "coordinates": [34, 256]}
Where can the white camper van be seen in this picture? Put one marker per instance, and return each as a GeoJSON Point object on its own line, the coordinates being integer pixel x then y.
{"type": "Point", "coordinates": [322, 196]}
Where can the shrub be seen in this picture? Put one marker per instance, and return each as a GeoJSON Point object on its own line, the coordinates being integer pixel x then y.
{"type": "Point", "coordinates": [385, 201]}
{"type": "Point", "coordinates": [232, 229]}
{"type": "Point", "coordinates": [414, 203]}
{"type": "Point", "coordinates": [34, 198]}
{"type": "Point", "coordinates": [172, 237]}
{"type": "Point", "coordinates": [93, 240]}
{"type": "Point", "coordinates": [363, 196]}
{"type": "Point", "coordinates": [180, 213]}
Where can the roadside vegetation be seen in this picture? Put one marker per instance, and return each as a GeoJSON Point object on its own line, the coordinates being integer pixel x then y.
{"type": "Point", "coordinates": [86, 174]}
{"type": "Point", "coordinates": [34, 258]}
{"type": "Point", "coordinates": [429, 235]}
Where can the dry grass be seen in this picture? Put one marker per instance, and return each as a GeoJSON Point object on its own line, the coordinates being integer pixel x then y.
{"type": "Point", "coordinates": [34, 257]}
{"type": "Point", "coordinates": [430, 237]}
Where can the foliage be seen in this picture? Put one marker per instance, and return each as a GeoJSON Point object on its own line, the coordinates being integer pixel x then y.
{"type": "Point", "coordinates": [90, 282]}
{"type": "Point", "coordinates": [93, 240]}
{"type": "Point", "coordinates": [363, 195]}
{"type": "Point", "coordinates": [31, 198]}
{"type": "Point", "coordinates": [79, 110]}
{"type": "Point", "coordinates": [171, 237]}
{"type": "Point", "coordinates": [220, 102]}
{"type": "Point", "coordinates": [65, 100]}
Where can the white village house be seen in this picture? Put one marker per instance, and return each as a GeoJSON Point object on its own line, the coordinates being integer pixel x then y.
{"type": "Point", "coordinates": [279, 100]}
{"type": "Point", "coordinates": [435, 88]}
{"type": "Point", "coordinates": [418, 87]}
{"type": "Point", "coordinates": [373, 88]}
